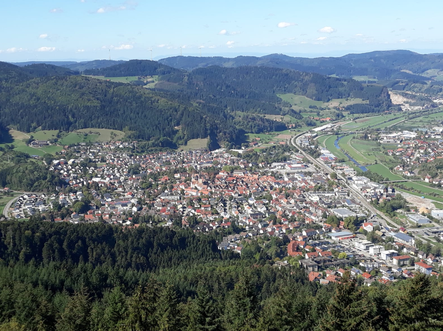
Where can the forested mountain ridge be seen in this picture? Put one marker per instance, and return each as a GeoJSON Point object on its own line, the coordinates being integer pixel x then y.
{"type": "Point", "coordinates": [74, 102]}
{"type": "Point", "coordinates": [183, 105]}
{"type": "Point", "coordinates": [255, 89]}
{"type": "Point", "coordinates": [383, 65]}
{"type": "Point", "coordinates": [133, 68]}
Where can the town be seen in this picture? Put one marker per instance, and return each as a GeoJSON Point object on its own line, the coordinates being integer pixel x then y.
{"type": "Point", "coordinates": [313, 216]}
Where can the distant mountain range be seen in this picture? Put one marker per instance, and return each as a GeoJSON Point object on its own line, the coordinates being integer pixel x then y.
{"type": "Point", "coordinates": [383, 65]}
{"type": "Point", "coordinates": [220, 98]}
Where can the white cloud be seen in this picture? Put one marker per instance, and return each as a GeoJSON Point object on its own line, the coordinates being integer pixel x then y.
{"type": "Point", "coordinates": [285, 24]}
{"type": "Point", "coordinates": [129, 4]}
{"type": "Point", "coordinates": [161, 45]}
{"type": "Point", "coordinates": [121, 47]}
{"type": "Point", "coordinates": [359, 35]}
{"type": "Point", "coordinates": [80, 50]}
{"type": "Point", "coordinates": [230, 43]}
{"type": "Point", "coordinates": [326, 29]}
{"type": "Point", "coordinates": [303, 42]}
{"type": "Point", "coordinates": [56, 10]}
{"type": "Point", "coordinates": [321, 38]}
{"type": "Point", "coordinates": [46, 49]}
{"type": "Point", "coordinates": [223, 32]}
{"type": "Point", "coordinates": [402, 40]}
{"type": "Point", "coordinates": [43, 36]}
{"type": "Point", "coordinates": [212, 46]}
{"type": "Point", "coordinates": [15, 50]}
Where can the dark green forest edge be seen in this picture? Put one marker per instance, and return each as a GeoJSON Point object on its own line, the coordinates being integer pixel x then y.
{"type": "Point", "coordinates": [183, 106]}
{"type": "Point", "coordinates": [101, 277]}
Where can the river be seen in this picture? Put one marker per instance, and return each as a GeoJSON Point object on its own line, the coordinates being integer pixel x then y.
{"type": "Point", "coordinates": [363, 168]}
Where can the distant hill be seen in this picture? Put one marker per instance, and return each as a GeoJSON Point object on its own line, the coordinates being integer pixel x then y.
{"type": "Point", "coordinates": [164, 119]}
{"type": "Point", "coordinates": [54, 63]}
{"type": "Point", "coordinates": [385, 65]}
{"type": "Point", "coordinates": [133, 68]}
{"type": "Point", "coordinates": [46, 70]}
{"type": "Point", "coordinates": [96, 64]}
{"type": "Point", "coordinates": [255, 89]}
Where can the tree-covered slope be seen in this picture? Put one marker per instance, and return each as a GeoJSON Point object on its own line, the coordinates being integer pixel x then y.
{"type": "Point", "coordinates": [133, 68]}
{"type": "Point", "coordinates": [74, 102]}
{"type": "Point", "coordinates": [384, 65]}
{"type": "Point", "coordinates": [255, 89]}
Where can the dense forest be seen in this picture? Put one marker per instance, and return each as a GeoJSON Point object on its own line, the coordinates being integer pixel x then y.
{"type": "Point", "coordinates": [103, 277]}
{"type": "Point", "coordinates": [20, 172]}
{"type": "Point", "coordinates": [133, 68]}
{"type": "Point", "coordinates": [255, 89]}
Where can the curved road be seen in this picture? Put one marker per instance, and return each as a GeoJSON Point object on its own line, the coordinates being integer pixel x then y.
{"type": "Point", "coordinates": [8, 205]}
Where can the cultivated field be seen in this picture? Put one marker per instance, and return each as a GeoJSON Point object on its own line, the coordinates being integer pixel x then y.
{"type": "Point", "coordinates": [195, 144]}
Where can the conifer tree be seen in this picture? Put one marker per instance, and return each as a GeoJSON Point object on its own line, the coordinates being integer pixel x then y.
{"type": "Point", "coordinates": [416, 305]}
{"type": "Point", "coordinates": [348, 309]}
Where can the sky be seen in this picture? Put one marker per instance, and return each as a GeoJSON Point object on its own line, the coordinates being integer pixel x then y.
{"type": "Point", "coordinates": [80, 30]}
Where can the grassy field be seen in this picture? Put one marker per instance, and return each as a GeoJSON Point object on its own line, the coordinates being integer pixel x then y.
{"type": "Point", "coordinates": [384, 171]}
{"type": "Point", "coordinates": [321, 140]}
{"type": "Point", "coordinates": [299, 101]}
{"type": "Point", "coordinates": [424, 120]}
{"type": "Point", "coordinates": [78, 137]}
{"type": "Point", "coordinates": [195, 144]}
{"type": "Point", "coordinates": [346, 145]}
{"type": "Point", "coordinates": [126, 79]}
{"type": "Point", "coordinates": [364, 78]}
{"type": "Point", "coordinates": [329, 143]}
{"type": "Point", "coordinates": [45, 134]}
{"type": "Point", "coordinates": [84, 135]}
{"type": "Point", "coordinates": [366, 122]}
{"type": "Point", "coordinates": [104, 135]}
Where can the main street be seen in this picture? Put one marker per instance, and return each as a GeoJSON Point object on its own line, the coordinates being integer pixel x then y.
{"type": "Point", "coordinates": [384, 219]}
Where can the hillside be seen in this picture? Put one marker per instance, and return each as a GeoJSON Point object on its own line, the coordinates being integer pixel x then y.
{"type": "Point", "coordinates": [68, 103]}
{"type": "Point", "coordinates": [255, 89]}
{"type": "Point", "coordinates": [384, 65]}
{"type": "Point", "coordinates": [133, 68]}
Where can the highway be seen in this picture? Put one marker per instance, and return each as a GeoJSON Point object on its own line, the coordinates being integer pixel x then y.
{"type": "Point", "coordinates": [384, 219]}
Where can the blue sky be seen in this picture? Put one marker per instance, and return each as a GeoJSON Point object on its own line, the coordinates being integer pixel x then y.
{"type": "Point", "coordinates": [97, 29]}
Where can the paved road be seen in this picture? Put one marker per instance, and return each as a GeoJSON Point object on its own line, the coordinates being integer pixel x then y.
{"type": "Point", "coordinates": [385, 220]}
{"type": "Point", "coordinates": [8, 205]}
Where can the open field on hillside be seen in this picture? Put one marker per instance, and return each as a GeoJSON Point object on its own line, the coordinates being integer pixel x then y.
{"type": "Point", "coordinates": [126, 79]}
{"type": "Point", "coordinates": [364, 78]}
{"type": "Point", "coordinates": [45, 134]}
{"type": "Point", "coordinates": [300, 102]}
{"type": "Point", "coordinates": [195, 144]}
{"type": "Point", "coordinates": [104, 135]}
{"type": "Point", "coordinates": [83, 135]}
